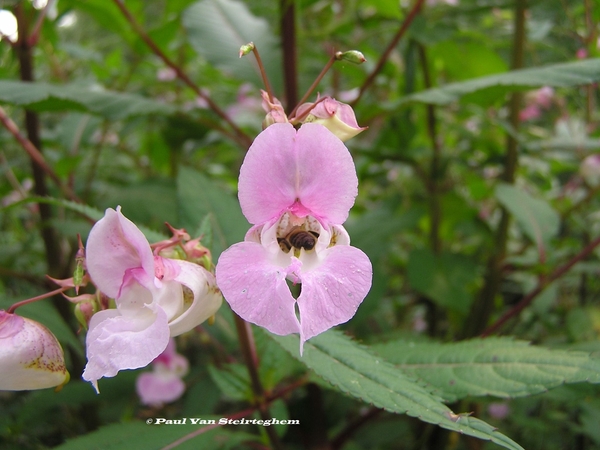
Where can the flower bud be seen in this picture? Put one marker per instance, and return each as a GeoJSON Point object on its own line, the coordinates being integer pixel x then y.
{"type": "Point", "coordinates": [84, 312]}
{"type": "Point", "coordinates": [274, 109]}
{"type": "Point", "coordinates": [30, 356]}
{"type": "Point", "coordinates": [353, 56]}
{"type": "Point", "coordinates": [246, 48]}
{"type": "Point", "coordinates": [336, 116]}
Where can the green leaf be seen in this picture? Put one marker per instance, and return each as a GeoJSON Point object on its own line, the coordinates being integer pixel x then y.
{"type": "Point", "coordinates": [355, 371]}
{"type": "Point", "coordinates": [556, 75]}
{"type": "Point", "coordinates": [233, 380]}
{"type": "Point", "coordinates": [144, 436]}
{"type": "Point", "coordinates": [198, 197]}
{"type": "Point", "coordinates": [216, 30]}
{"type": "Point", "coordinates": [495, 366]}
{"type": "Point", "coordinates": [444, 278]}
{"type": "Point", "coordinates": [53, 97]}
{"type": "Point", "coordinates": [536, 217]}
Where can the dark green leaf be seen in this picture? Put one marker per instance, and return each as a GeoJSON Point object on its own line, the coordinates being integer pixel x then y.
{"type": "Point", "coordinates": [355, 371]}
{"type": "Point", "coordinates": [51, 97]}
{"type": "Point", "coordinates": [217, 29]}
{"type": "Point", "coordinates": [495, 366]}
{"type": "Point", "coordinates": [535, 216]}
{"type": "Point", "coordinates": [557, 75]}
{"type": "Point", "coordinates": [198, 197]}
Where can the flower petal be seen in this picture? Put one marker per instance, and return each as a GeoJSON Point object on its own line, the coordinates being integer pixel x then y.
{"type": "Point", "coordinates": [154, 389]}
{"type": "Point", "coordinates": [206, 301]}
{"type": "Point", "coordinates": [332, 292]}
{"type": "Point", "coordinates": [114, 245]}
{"type": "Point", "coordinates": [115, 342]}
{"type": "Point", "coordinates": [30, 355]}
{"type": "Point", "coordinates": [307, 172]}
{"type": "Point", "coordinates": [256, 289]}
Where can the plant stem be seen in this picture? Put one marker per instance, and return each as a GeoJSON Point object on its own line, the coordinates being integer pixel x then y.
{"type": "Point", "coordinates": [248, 348]}
{"type": "Point", "coordinates": [238, 135]}
{"type": "Point", "coordinates": [434, 168]}
{"type": "Point", "coordinates": [315, 83]}
{"type": "Point", "coordinates": [542, 284]}
{"type": "Point", "coordinates": [386, 54]}
{"type": "Point", "coordinates": [36, 157]}
{"type": "Point", "coordinates": [32, 145]}
{"type": "Point", "coordinates": [288, 44]}
{"type": "Point", "coordinates": [482, 308]}
{"type": "Point", "coordinates": [12, 309]}
{"type": "Point", "coordinates": [263, 73]}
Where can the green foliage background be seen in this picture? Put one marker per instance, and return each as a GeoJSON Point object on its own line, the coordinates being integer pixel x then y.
{"type": "Point", "coordinates": [472, 217]}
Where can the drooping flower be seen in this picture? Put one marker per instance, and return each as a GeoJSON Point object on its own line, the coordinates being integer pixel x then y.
{"type": "Point", "coordinates": [30, 355]}
{"type": "Point", "coordinates": [296, 188]}
{"type": "Point", "coordinates": [337, 117]}
{"type": "Point", "coordinates": [155, 298]}
{"type": "Point", "coordinates": [164, 383]}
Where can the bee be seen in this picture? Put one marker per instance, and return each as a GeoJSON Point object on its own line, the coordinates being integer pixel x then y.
{"type": "Point", "coordinates": [298, 238]}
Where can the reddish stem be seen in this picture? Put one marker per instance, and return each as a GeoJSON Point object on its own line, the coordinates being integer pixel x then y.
{"type": "Point", "coordinates": [542, 284]}
{"type": "Point", "coordinates": [35, 154]}
{"type": "Point", "coordinates": [385, 55]}
{"type": "Point", "coordinates": [242, 138]}
{"type": "Point", "coordinates": [12, 309]}
{"type": "Point", "coordinates": [315, 83]}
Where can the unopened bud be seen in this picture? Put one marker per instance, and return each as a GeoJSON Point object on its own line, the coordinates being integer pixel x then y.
{"type": "Point", "coordinates": [84, 312]}
{"type": "Point", "coordinates": [30, 355]}
{"type": "Point", "coordinates": [246, 48]}
{"type": "Point", "coordinates": [353, 56]}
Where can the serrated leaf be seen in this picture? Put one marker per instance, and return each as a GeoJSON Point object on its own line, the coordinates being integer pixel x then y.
{"type": "Point", "coordinates": [216, 30]}
{"type": "Point", "coordinates": [52, 97]}
{"type": "Point", "coordinates": [361, 374]}
{"type": "Point", "coordinates": [535, 216]}
{"type": "Point", "coordinates": [199, 197]}
{"type": "Point", "coordinates": [143, 436]}
{"type": "Point", "coordinates": [556, 75]}
{"type": "Point", "coordinates": [495, 366]}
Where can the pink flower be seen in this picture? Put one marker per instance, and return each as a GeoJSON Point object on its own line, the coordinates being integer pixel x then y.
{"type": "Point", "coordinates": [155, 298]}
{"type": "Point", "coordinates": [296, 188]}
{"type": "Point", "coordinates": [336, 116]}
{"type": "Point", "coordinates": [529, 113]}
{"type": "Point", "coordinates": [499, 410]}
{"type": "Point", "coordinates": [590, 169]}
{"type": "Point", "coordinates": [30, 356]}
{"type": "Point", "coordinates": [581, 53]}
{"type": "Point", "coordinates": [164, 383]}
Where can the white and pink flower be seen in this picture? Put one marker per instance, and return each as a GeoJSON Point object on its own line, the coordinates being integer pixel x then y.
{"type": "Point", "coordinates": [30, 355]}
{"type": "Point", "coordinates": [296, 187]}
{"type": "Point", "coordinates": [155, 297]}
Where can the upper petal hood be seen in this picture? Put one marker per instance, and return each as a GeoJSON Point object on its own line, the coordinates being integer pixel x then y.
{"type": "Point", "coordinates": [309, 171]}
{"type": "Point", "coordinates": [115, 245]}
